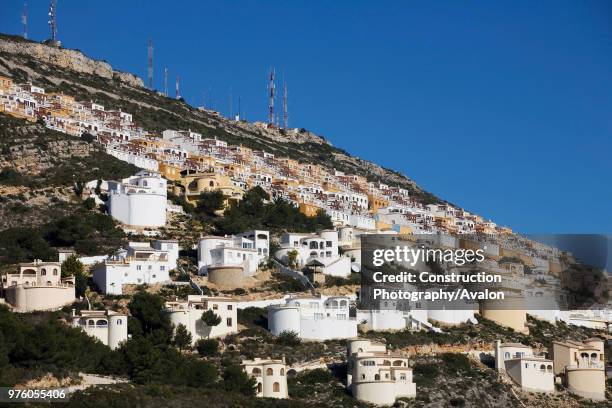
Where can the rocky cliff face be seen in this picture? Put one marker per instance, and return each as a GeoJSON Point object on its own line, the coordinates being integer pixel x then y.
{"type": "Point", "coordinates": [73, 60]}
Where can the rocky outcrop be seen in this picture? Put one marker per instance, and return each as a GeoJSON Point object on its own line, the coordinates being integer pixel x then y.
{"type": "Point", "coordinates": [73, 60]}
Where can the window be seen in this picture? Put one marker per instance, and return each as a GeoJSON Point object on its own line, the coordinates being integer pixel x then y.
{"type": "Point", "coordinates": [229, 322]}
{"type": "Point", "coordinates": [257, 373]}
{"type": "Point", "coordinates": [258, 387]}
{"type": "Point", "coordinates": [138, 267]}
{"type": "Point", "coordinates": [377, 377]}
{"type": "Point", "coordinates": [276, 387]}
{"type": "Point", "coordinates": [526, 365]}
{"type": "Point", "coordinates": [282, 371]}
{"type": "Point", "coordinates": [269, 371]}
{"type": "Point", "coordinates": [215, 307]}
{"type": "Point", "coordinates": [403, 377]}
{"type": "Point", "coordinates": [318, 316]}
{"type": "Point", "coordinates": [368, 363]}
{"type": "Point", "coordinates": [162, 268]}
{"type": "Point", "coordinates": [386, 376]}
{"type": "Point", "coordinates": [43, 271]}
{"type": "Point", "coordinates": [119, 322]}
{"type": "Point", "coordinates": [229, 307]}
{"type": "Point", "coordinates": [506, 355]}
{"type": "Point", "coordinates": [363, 376]}
{"type": "Point", "coordinates": [328, 244]}
{"type": "Point", "coordinates": [55, 272]}
{"type": "Point", "coordinates": [341, 316]}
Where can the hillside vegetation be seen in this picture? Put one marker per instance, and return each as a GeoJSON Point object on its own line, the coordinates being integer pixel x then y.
{"type": "Point", "coordinates": [42, 172]}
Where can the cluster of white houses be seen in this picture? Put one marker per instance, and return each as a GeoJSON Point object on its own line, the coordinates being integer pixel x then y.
{"type": "Point", "coordinates": [196, 163]}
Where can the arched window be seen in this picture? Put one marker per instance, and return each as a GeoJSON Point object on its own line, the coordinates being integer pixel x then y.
{"type": "Point", "coordinates": [549, 367]}
{"type": "Point", "coordinates": [506, 355]}
{"type": "Point", "coordinates": [398, 363]}
{"type": "Point", "coordinates": [43, 272]}
{"type": "Point", "coordinates": [119, 322]}
{"type": "Point", "coordinates": [91, 322]}
{"type": "Point", "coordinates": [313, 245]}
{"type": "Point", "coordinates": [102, 323]}
{"type": "Point", "coordinates": [282, 371]}
{"type": "Point", "coordinates": [276, 387]}
{"type": "Point", "coordinates": [386, 363]}
{"type": "Point", "coordinates": [256, 372]}
{"type": "Point", "coordinates": [259, 388]}
{"type": "Point", "coordinates": [343, 303]}
{"type": "Point", "coordinates": [211, 183]}
{"type": "Point", "coordinates": [54, 272]}
{"type": "Point", "coordinates": [49, 283]}
{"type": "Point", "coordinates": [269, 371]}
{"type": "Point", "coordinates": [377, 377]}
{"type": "Point", "coordinates": [542, 367]}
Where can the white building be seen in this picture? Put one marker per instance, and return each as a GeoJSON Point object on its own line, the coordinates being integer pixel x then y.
{"type": "Point", "coordinates": [38, 286]}
{"type": "Point", "coordinates": [270, 376]}
{"type": "Point", "coordinates": [189, 313]}
{"type": "Point", "coordinates": [314, 318]}
{"type": "Point", "coordinates": [236, 251]}
{"type": "Point", "coordinates": [141, 263]}
{"type": "Point", "coordinates": [376, 376]}
{"type": "Point", "coordinates": [530, 372]}
{"type": "Point", "coordinates": [321, 247]}
{"type": "Point", "coordinates": [110, 327]}
{"type": "Point", "coordinates": [261, 239]}
{"type": "Point", "coordinates": [139, 201]}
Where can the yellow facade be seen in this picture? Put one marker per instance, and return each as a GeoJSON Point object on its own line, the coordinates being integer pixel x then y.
{"type": "Point", "coordinates": [5, 83]}
{"type": "Point", "coordinates": [308, 209]}
{"type": "Point", "coordinates": [170, 171]}
{"type": "Point", "coordinates": [194, 184]}
{"type": "Point", "coordinates": [376, 202]}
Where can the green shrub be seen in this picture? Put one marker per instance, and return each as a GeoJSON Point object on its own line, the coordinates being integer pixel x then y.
{"type": "Point", "coordinates": [207, 347]}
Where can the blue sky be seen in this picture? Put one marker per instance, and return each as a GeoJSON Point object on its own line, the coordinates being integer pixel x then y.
{"type": "Point", "coordinates": [504, 108]}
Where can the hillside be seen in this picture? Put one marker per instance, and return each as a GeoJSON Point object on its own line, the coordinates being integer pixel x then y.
{"type": "Point", "coordinates": [73, 73]}
{"type": "Point", "coordinates": [40, 169]}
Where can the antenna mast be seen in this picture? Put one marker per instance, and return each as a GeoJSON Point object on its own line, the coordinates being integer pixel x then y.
{"type": "Point", "coordinates": [178, 92]}
{"type": "Point", "coordinates": [285, 107]}
{"type": "Point", "coordinates": [53, 21]}
{"type": "Point", "coordinates": [272, 90]}
{"type": "Point", "coordinates": [166, 81]}
{"type": "Point", "coordinates": [24, 19]}
{"type": "Point", "coordinates": [150, 63]}
{"type": "Point", "coordinates": [231, 111]}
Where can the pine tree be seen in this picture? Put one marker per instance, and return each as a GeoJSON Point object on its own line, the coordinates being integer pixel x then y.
{"type": "Point", "coordinates": [182, 337]}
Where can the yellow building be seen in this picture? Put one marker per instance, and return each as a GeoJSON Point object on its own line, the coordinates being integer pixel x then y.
{"type": "Point", "coordinates": [170, 171]}
{"type": "Point", "coordinates": [5, 84]}
{"type": "Point", "coordinates": [308, 209]}
{"type": "Point", "coordinates": [376, 202]}
{"type": "Point", "coordinates": [191, 185]}
{"type": "Point", "coordinates": [581, 367]}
